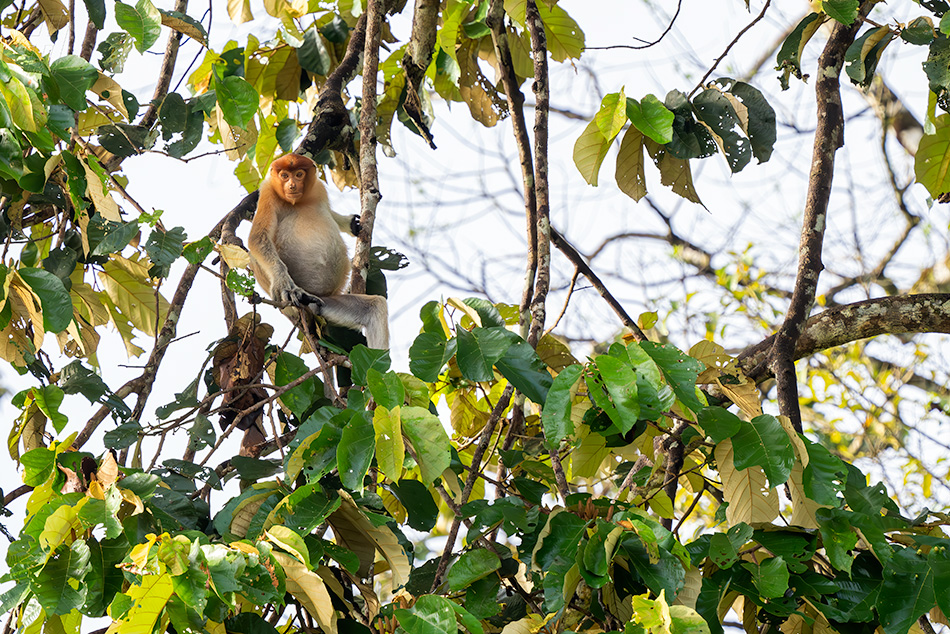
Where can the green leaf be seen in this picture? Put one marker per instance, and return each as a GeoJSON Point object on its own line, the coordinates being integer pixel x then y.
{"type": "Point", "coordinates": [110, 237]}
{"type": "Point", "coordinates": [238, 99]}
{"type": "Point", "coordinates": [421, 508]}
{"type": "Point", "coordinates": [652, 118]}
{"type": "Point", "coordinates": [863, 55]}
{"type": "Point", "coordinates": [789, 58]}
{"type": "Point", "coordinates": [49, 399]}
{"type": "Point", "coordinates": [565, 39]}
{"type": "Point", "coordinates": [656, 397]}
{"type": "Point", "coordinates": [844, 11]}
{"type": "Point", "coordinates": [387, 389]}
{"type": "Point", "coordinates": [719, 423]}
{"type": "Point", "coordinates": [164, 247]}
{"type": "Point", "coordinates": [313, 55]}
{"type": "Point", "coordinates": [143, 22]}
{"type": "Point", "coordinates": [920, 30]}
{"type": "Point", "coordinates": [74, 76]}
{"type": "Point", "coordinates": [431, 614]}
{"type": "Point", "coordinates": [479, 349]}
{"type": "Point", "coordinates": [291, 542]}
{"type": "Point", "coordinates": [301, 397]}
{"type": "Point", "coordinates": [364, 358]}
{"type": "Point", "coordinates": [761, 123]}
{"type": "Point", "coordinates": [932, 163]}
{"type": "Point", "coordinates": [679, 370]}
{"type": "Point", "coordinates": [173, 115]}
{"type": "Point", "coordinates": [428, 354]}
{"type": "Point", "coordinates": [907, 592]}
{"type": "Point", "coordinates": [97, 12]}
{"type": "Point", "coordinates": [428, 438]}
{"type": "Point", "coordinates": [630, 175]}
{"type": "Point", "coordinates": [823, 479]}
{"type": "Point", "coordinates": [254, 469]}
{"type": "Point", "coordinates": [523, 368]}
{"type": "Point", "coordinates": [620, 381]}
{"type": "Point", "coordinates": [355, 451]}
{"type": "Point", "coordinates": [770, 577]}
{"type": "Point", "coordinates": [714, 109]}
{"type": "Point", "coordinates": [939, 561]}
{"type": "Point", "coordinates": [556, 547]}
{"type": "Point", "coordinates": [125, 435]}
{"type": "Point", "coordinates": [556, 414]}
{"type": "Point", "coordinates": [390, 446]}
{"type": "Point", "coordinates": [52, 585]}
{"type": "Point", "coordinates": [764, 442]}
{"type": "Point", "coordinates": [592, 145]}
{"type": "Point", "coordinates": [196, 252]}
{"type": "Point", "coordinates": [54, 298]}
{"type": "Point", "coordinates": [38, 464]}
{"type": "Point", "coordinates": [837, 536]}
{"type": "Point", "coordinates": [472, 566]}
{"type": "Point", "coordinates": [599, 552]}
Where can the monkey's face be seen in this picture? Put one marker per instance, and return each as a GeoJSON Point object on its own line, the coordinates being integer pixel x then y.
{"type": "Point", "coordinates": [292, 184]}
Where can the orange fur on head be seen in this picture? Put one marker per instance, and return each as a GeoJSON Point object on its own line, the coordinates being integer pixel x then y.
{"type": "Point", "coordinates": [294, 178]}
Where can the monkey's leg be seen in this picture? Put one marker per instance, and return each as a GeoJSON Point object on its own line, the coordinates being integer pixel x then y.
{"type": "Point", "coordinates": [368, 312]}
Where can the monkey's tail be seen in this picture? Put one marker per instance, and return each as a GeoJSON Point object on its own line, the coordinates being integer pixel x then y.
{"type": "Point", "coordinates": [368, 312]}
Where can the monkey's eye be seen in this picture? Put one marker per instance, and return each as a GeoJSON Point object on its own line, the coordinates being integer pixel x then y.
{"type": "Point", "coordinates": [285, 175]}
{"type": "Point", "coordinates": [299, 174]}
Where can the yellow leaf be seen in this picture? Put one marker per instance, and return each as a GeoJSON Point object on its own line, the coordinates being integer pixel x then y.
{"type": "Point", "coordinates": [233, 255]}
{"type": "Point", "coordinates": [139, 552]}
{"type": "Point", "coordinates": [148, 603]}
{"type": "Point", "coordinates": [185, 28]}
{"type": "Point", "coordinates": [565, 38]}
{"type": "Point", "coordinates": [21, 106]}
{"type": "Point", "coordinates": [110, 90]}
{"type": "Point", "coordinates": [630, 175]}
{"type": "Point", "coordinates": [747, 491]}
{"type": "Point", "coordinates": [661, 504]}
{"type": "Point", "coordinates": [248, 508]}
{"type": "Point", "coordinates": [58, 525]}
{"type": "Point", "coordinates": [245, 548]}
{"type": "Point", "coordinates": [587, 458]}
{"type": "Point", "coordinates": [390, 446]}
{"type": "Point", "coordinates": [55, 13]}
{"type": "Point", "coordinates": [354, 531]}
{"type": "Point", "coordinates": [127, 284]}
{"type": "Point", "coordinates": [236, 141]}
{"type": "Point", "coordinates": [134, 500]}
{"type": "Point", "coordinates": [123, 325]}
{"type": "Point", "coordinates": [100, 195]}
{"type": "Point", "coordinates": [308, 588]}
{"type": "Point", "coordinates": [240, 11]}
{"type": "Point", "coordinates": [803, 507]}
{"type": "Point", "coordinates": [95, 491]}
{"type": "Point", "coordinates": [289, 541]}
{"type": "Point", "coordinates": [108, 471]}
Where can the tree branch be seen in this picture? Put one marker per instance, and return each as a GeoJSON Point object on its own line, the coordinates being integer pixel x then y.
{"type": "Point", "coordinates": [369, 174]}
{"type": "Point", "coordinates": [900, 315]}
{"type": "Point", "coordinates": [829, 136]}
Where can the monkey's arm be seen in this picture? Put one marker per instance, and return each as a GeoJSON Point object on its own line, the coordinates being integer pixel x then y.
{"type": "Point", "coordinates": [269, 269]}
{"type": "Point", "coordinates": [347, 224]}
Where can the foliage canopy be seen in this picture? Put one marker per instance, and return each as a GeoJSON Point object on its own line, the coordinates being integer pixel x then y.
{"type": "Point", "coordinates": [563, 489]}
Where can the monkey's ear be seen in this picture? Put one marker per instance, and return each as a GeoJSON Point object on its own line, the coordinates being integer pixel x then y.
{"type": "Point", "coordinates": [355, 225]}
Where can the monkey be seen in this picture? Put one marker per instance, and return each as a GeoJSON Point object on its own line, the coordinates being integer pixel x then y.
{"type": "Point", "coordinates": [298, 255]}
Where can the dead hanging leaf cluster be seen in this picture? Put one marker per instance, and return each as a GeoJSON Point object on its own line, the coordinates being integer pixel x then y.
{"type": "Point", "coordinates": [238, 364]}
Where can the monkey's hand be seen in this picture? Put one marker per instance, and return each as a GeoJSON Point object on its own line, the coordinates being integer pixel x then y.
{"type": "Point", "coordinates": [355, 225]}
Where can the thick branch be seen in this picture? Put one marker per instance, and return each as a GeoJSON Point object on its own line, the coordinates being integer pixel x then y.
{"type": "Point", "coordinates": [539, 50]}
{"type": "Point", "coordinates": [509, 79]}
{"type": "Point", "coordinates": [900, 315]}
{"type": "Point", "coordinates": [829, 136]}
{"type": "Point", "coordinates": [425, 20]}
{"type": "Point", "coordinates": [369, 174]}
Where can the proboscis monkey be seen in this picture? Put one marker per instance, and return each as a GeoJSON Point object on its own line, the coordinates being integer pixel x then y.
{"type": "Point", "coordinates": [298, 255]}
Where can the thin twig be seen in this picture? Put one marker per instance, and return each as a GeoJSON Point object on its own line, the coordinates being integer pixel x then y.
{"type": "Point", "coordinates": [729, 47]}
